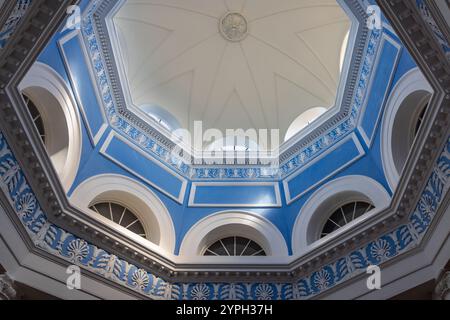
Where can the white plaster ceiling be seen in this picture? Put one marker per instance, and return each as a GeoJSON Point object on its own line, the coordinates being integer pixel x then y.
{"type": "Point", "coordinates": [175, 57]}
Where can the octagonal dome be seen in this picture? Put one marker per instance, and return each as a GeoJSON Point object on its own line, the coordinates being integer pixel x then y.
{"type": "Point", "coordinates": [232, 64]}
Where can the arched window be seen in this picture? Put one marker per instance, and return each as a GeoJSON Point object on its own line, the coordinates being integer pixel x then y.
{"type": "Point", "coordinates": [36, 116]}
{"type": "Point", "coordinates": [137, 198]}
{"type": "Point", "coordinates": [230, 234]}
{"type": "Point", "coordinates": [120, 215]}
{"type": "Point", "coordinates": [344, 215]}
{"type": "Point", "coordinates": [55, 115]}
{"type": "Point", "coordinates": [304, 120]}
{"type": "Point", "coordinates": [405, 111]}
{"type": "Point", "coordinates": [344, 51]}
{"type": "Point", "coordinates": [335, 208]}
{"type": "Point", "coordinates": [419, 120]}
{"type": "Point", "coordinates": [161, 116]}
{"type": "Point", "coordinates": [235, 247]}
{"type": "Point", "coordinates": [406, 126]}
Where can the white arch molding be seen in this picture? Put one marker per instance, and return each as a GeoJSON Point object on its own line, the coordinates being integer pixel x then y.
{"type": "Point", "coordinates": [233, 223]}
{"type": "Point", "coordinates": [147, 207]}
{"type": "Point", "coordinates": [403, 107]}
{"type": "Point", "coordinates": [317, 209]}
{"type": "Point", "coordinates": [304, 120]}
{"type": "Point", "coordinates": [62, 124]}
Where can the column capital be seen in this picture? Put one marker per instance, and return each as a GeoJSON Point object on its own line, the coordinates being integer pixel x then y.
{"type": "Point", "coordinates": [7, 291]}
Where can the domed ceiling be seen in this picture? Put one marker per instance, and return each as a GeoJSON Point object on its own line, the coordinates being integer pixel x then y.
{"type": "Point", "coordinates": [233, 64]}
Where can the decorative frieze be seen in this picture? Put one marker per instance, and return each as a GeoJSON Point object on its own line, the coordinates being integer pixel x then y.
{"type": "Point", "coordinates": [75, 250]}
{"type": "Point", "coordinates": [13, 20]}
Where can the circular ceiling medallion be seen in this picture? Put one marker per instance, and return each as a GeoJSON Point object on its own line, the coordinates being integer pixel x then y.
{"type": "Point", "coordinates": [233, 26]}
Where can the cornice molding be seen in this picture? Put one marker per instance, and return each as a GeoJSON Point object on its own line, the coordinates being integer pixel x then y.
{"type": "Point", "coordinates": [28, 150]}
